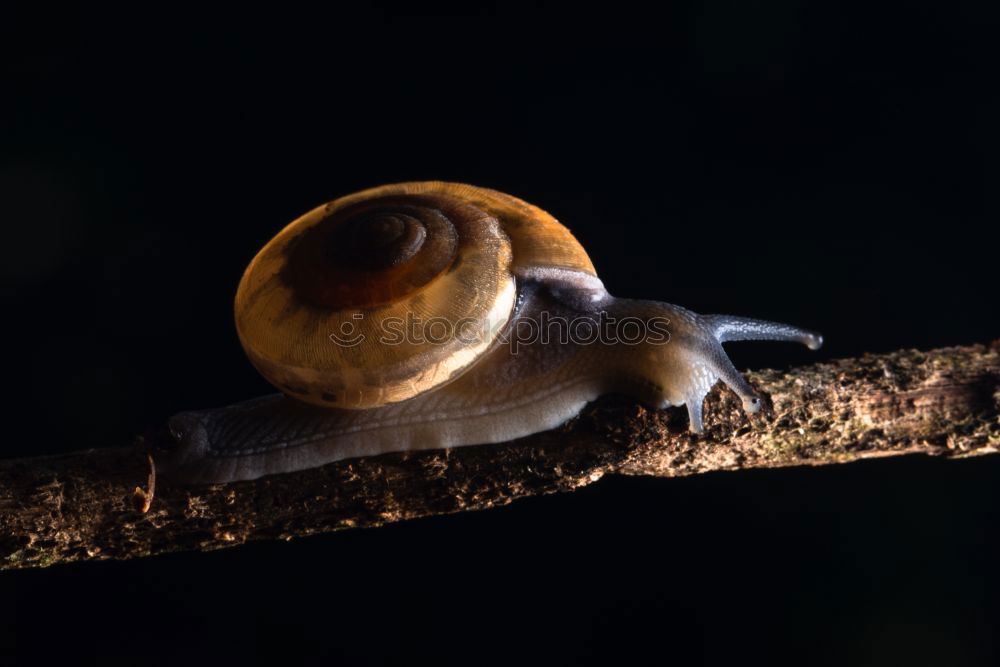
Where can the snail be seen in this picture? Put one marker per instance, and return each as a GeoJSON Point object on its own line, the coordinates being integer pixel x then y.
{"type": "Point", "coordinates": [430, 315]}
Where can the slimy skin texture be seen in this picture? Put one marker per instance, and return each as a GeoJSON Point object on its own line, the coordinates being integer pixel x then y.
{"type": "Point", "coordinates": [502, 397]}
{"type": "Point", "coordinates": [314, 305]}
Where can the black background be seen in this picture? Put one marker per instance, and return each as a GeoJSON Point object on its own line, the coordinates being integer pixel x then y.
{"type": "Point", "coordinates": [829, 165]}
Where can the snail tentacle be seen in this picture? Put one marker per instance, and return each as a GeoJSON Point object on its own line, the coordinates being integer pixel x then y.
{"type": "Point", "coordinates": [728, 328]}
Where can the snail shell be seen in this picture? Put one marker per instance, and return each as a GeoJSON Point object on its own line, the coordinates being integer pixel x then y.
{"type": "Point", "coordinates": [314, 307]}
{"type": "Point", "coordinates": [378, 258]}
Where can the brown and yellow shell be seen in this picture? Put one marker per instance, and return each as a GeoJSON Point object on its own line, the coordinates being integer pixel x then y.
{"type": "Point", "coordinates": [383, 294]}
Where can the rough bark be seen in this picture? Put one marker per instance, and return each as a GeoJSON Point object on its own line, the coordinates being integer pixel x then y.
{"type": "Point", "coordinates": [83, 506]}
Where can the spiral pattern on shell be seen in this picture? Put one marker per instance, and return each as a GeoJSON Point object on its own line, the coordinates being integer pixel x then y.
{"type": "Point", "coordinates": [326, 310]}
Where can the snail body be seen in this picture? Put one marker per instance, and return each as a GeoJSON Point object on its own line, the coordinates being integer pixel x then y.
{"type": "Point", "coordinates": [429, 315]}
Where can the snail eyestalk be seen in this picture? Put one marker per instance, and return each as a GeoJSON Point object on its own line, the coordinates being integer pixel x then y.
{"type": "Point", "coordinates": [729, 328]}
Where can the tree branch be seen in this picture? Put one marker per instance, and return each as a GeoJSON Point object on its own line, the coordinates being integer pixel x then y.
{"type": "Point", "coordinates": [83, 506]}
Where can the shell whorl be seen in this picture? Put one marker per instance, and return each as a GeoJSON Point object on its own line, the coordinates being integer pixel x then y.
{"type": "Point", "coordinates": [384, 294]}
